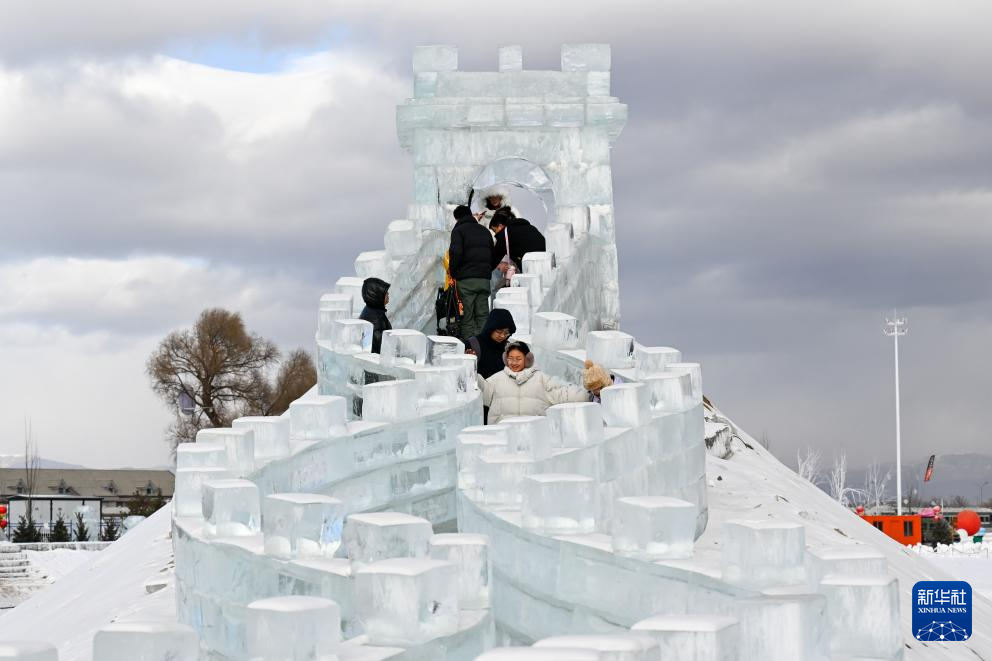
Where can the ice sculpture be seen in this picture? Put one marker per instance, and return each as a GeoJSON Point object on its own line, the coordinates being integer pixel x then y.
{"type": "Point", "coordinates": [201, 455]}
{"type": "Point", "coordinates": [351, 336]}
{"type": "Point", "coordinates": [654, 527]}
{"type": "Point", "coordinates": [559, 503]}
{"type": "Point", "coordinates": [271, 435]}
{"type": "Point", "coordinates": [863, 615]}
{"type": "Point", "coordinates": [470, 554]}
{"type": "Point", "coordinates": [626, 405]}
{"type": "Point", "coordinates": [145, 641]}
{"type": "Point", "coordinates": [581, 521]}
{"type": "Point", "coordinates": [319, 417]}
{"type": "Point", "coordinates": [611, 349]}
{"type": "Point", "coordinates": [231, 508]}
{"type": "Point", "coordinates": [651, 360]}
{"type": "Point", "coordinates": [295, 628]}
{"type": "Point", "coordinates": [407, 601]}
{"type": "Point", "coordinates": [302, 525]}
{"type": "Point", "coordinates": [702, 637]}
{"type": "Point", "coordinates": [239, 446]}
{"type": "Point", "coordinates": [379, 536]}
{"type": "Point", "coordinates": [28, 651]}
{"type": "Point", "coordinates": [763, 553]}
{"type": "Point", "coordinates": [188, 498]}
{"type": "Point", "coordinates": [554, 330]}
{"type": "Point", "coordinates": [576, 425]}
{"type": "Point", "coordinates": [389, 401]}
{"type": "Point", "coordinates": [612, 648]}
{"type": "Point", "coordinates": [529, 435]}
{"type": "Point", "coordinates": [403, 347]}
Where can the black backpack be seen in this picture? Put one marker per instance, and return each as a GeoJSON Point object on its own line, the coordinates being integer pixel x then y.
{"type": "Point", "coordinates": [449, 311]}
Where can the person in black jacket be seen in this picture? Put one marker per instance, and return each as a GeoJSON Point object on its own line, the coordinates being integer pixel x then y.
{"type": "Point", "coordinates": [468, 262]}
{"type": "Point", "coordinates": [488, 345]}
{"type": "Point", "coordinates": [523, 237]}
{"type": "Point", "coordinates": [375, 293]}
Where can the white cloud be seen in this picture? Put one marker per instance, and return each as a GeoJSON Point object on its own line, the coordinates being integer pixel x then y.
{"type": "Point", "coordinates": [780, 159]}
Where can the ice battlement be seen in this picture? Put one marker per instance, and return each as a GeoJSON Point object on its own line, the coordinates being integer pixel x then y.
{"type": "Point", "coordinates": [328, 533]}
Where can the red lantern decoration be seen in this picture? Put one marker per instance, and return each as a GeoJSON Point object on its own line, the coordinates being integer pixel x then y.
{"type": "Point", "coordinates": [860, 510]}
{"type": "Point", "coordinates": [3, 523]}
{"type": "Point", "coordinates": [969, 521]}
{"type": "Point", "coordinates": [3, 509]}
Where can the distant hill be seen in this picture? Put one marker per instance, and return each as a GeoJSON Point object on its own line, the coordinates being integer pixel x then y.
{"type": "Point", "coordinates": [953, 475]}
{"type": "Point", "coordinates": [17, 461]}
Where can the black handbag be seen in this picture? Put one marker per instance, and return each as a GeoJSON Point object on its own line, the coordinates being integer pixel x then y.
{"type": "Point", "coordinates": [449, 311]}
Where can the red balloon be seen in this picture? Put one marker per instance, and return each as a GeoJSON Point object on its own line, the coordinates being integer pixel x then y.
{"type": "Point", "coordinates": [860, 509]}
{"type": "Point", "coordinates": [3, 523]}
{"type": "Point", "coordinates": [3, 509]}
{"type": "Point", "coordinates": [969, 522]}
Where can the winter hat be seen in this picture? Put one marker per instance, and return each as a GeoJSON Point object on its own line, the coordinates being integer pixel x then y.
{"type": "Point", "coordinates": [462, 211]}
{"type": "Point", "coordinates": [595, 377]}
{"type": "Point", "coordinates": [520, 346]}
{"type": "Point", "coordinates": [374, 292]}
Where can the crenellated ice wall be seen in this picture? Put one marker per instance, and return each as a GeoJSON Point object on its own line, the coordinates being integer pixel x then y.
{"type": "Point", "coordinates": [321, 533]}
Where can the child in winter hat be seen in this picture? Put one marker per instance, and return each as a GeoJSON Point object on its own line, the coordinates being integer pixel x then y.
{"type": "Point", "coordinates": [595, 378]}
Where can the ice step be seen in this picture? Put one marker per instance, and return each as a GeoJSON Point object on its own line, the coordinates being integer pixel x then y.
{"type": "Point", "coordinates": [28, 651]}
{"type": "Point", "coordinates": [697, 637]}
{"type": "Point", "coordinates": [619, 647]}
{"type": "Point", "coordinates": [294, 628]}
{"type": "Point", "coordinates": [145, 641]}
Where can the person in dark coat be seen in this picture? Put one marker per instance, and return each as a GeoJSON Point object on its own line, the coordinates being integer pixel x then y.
{"type": "Point", "coordinates": [468, 263]}
{"type": "Point", "coordinates": [375, 293]}
{"type": "Point", "coordinates": [523, 237]}
{"type": "Point", "coordinates": [488, 345]}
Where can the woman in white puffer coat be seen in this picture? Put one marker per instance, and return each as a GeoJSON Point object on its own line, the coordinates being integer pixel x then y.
{"type": "Point", "coordinates": [522, 389]}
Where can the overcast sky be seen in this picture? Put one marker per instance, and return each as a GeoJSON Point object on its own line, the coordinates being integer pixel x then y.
{"type": "Point", "coordinates": [790, 172]}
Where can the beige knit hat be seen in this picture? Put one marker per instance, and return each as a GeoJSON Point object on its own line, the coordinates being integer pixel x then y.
{"type": "Point", "coordinates": [595, 377]}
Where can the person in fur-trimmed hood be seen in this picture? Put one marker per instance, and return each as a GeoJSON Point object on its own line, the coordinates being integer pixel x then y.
{"type": "Point", "coordinates": [522, 389]}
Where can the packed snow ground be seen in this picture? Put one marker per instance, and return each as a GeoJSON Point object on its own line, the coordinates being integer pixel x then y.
{"type": "Point", "coordinates": [966, 562]}
{"type": "Point", "coordinates": [108, 588]}
{"type": "Point", "coordinates": [56, 563]}
{"type": "Point", "coordinates": [751, 484]}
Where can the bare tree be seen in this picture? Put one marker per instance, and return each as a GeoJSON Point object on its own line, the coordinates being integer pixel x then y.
{"type": "Point", "coordinates": [875, 484]}
{"type": "Point", "coordinates": [837, 482]}
{"type": "Point", "coordinates": [221, 371]}
{"type": "Point", "coordinates": [958, 501]}
{"type": "Point", "coordinates": [32, 466]}
{"type": "Point", "coordinates": [808, 465]}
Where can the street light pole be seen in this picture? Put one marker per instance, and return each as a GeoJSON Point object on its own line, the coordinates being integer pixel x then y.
{"type": "Point", "coordinates": [895, 327]}
{"type": "Point", "coordinates": [980, 489]}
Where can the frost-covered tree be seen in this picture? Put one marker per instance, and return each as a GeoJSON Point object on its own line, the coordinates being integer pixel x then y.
{"type": "Point", "coordinates": [808, 465]}
{"type": "Point", "coordinates": [875, 484]}
{"type": "Point", "coordinates": [837, 482]}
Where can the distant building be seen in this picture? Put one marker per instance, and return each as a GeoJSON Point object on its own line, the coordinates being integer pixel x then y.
{"type": "Point", "coordinates": [114, 488]}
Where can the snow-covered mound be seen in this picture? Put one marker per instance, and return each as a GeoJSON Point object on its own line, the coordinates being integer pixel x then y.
{"type": "Point", "coordinates": [752, 483]}
{"type": "Point", "coordinates": [109, 588]}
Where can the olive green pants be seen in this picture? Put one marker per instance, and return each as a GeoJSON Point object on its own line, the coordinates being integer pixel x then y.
{"type": "Point", "coordinates": [474, 293]}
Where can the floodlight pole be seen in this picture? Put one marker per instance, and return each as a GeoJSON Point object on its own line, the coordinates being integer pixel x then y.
{"type": "Point", "coordinates": [895, 327]}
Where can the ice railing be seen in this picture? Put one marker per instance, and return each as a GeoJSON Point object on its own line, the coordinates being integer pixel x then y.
{"type": "Point", "coordinates": [277, 509]}
{"type": "Point", "coordinates": [592, 530]}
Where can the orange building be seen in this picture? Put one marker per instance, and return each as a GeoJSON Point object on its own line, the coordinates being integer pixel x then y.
{"type": "Point", "coordinates": [906, 529]}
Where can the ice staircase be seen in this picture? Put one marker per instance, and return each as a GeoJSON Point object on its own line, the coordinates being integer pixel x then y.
{"type": "Point", "coordinates": [329, 532]}
{"type": "Point", "coordinates": [16, 572]}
